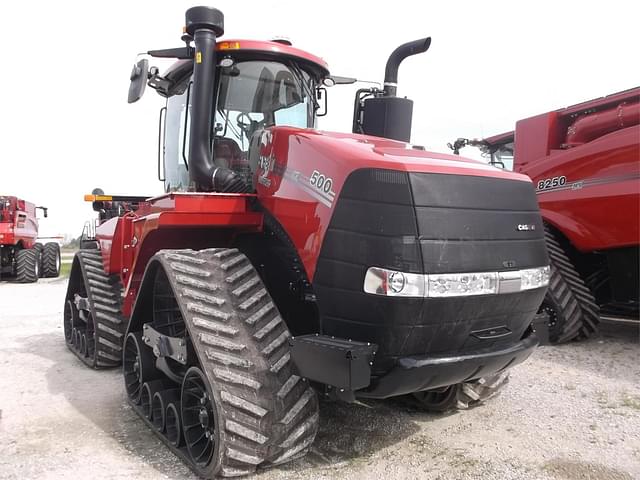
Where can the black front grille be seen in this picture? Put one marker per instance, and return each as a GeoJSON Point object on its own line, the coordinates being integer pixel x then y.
{"type": "Point", "coordinates": [426, 223]}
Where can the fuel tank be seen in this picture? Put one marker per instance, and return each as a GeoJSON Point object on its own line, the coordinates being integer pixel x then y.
{"type": "Point", "coordinates": [352, 202]}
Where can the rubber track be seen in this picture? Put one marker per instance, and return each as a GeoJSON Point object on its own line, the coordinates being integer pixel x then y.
{"type": "Point", "coordinates": [48, 260]}
{"type": "Point", "coordinates": [104, 295]}
{"type": "Point", "coordinates": [26, 261]}
{"type": "Point", "coordinates": [577, 312]}
{"type": "Point", "coordinates": [268, 414]}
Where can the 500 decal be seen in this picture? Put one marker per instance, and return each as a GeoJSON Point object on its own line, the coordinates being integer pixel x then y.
{"type": "Point", "coordinates": [321, 182]}
{"type": "Point", "coordinates": [547, 183]}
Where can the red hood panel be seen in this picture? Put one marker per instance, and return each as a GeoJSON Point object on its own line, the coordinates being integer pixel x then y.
{"type": "Point", "coordinates": [301, 172]}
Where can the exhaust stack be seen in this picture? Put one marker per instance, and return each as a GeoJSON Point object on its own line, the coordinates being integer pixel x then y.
{"type": "Point", "coordinates": [395, 59]}
{"type": "Point", "coordinates": [204, 25]}
{"type": "Point", "coordinates": [381, 113]}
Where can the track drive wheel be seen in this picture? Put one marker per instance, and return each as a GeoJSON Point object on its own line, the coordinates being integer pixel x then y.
{"type": "Point", "coordinates": [50, 260]}
{"type": "Point", "coordinates": [462, 395]}
{"type": "Point", "coordinates": [27, 265]}
{"type": "Point", "coordinates": [242, 406]}
{"type": "Point", "coordinates": [571, 307]}
{"type": "Point", "coordinates": [92, 309]}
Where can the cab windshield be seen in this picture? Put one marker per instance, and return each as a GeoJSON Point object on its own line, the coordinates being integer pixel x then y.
{"type": "Point", "coordinates": [251, 95]}
{"type": "Point", "coordinates": [258, 94]}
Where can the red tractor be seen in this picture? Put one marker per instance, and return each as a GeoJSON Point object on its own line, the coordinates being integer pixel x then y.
{"type": "Point", "coordinates": [585, 163]}
{"type": "Point", "coordinates": [283, 262]}
{"type": "Point", "coordinates": [21, 256]}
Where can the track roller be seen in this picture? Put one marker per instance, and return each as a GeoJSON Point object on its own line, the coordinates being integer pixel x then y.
{"type": "Point", "coordinates": [159, 403]}
{"type": "Point", "coordinates": [148, 391]}
{"type": "Point", "coordinates": [173, 424]}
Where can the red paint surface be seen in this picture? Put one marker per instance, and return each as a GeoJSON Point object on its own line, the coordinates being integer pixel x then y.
{"type": "Point", "coordinates": [18, 223]}
{"type": "Point", "coordinates": [272, 48]}
{"type": "Point", "coordinates": [596, 146]}
{"type": "Point", "coordinates": [298, 152]}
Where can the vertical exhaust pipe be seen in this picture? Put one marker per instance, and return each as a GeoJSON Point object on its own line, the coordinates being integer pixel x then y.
{"type": "Point", "coordinates": [204, 25]}
{"type": "Point", "coordinates": [395, 59]}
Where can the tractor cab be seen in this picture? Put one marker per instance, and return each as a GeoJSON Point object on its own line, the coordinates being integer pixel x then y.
{"type": "Point", "coordinates": [253, 91]}
{"type": "Point", "coordinates": [6, 211]}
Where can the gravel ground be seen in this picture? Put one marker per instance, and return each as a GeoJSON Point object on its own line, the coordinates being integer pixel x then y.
{"type": "Point", "coordinates": [570, 412]}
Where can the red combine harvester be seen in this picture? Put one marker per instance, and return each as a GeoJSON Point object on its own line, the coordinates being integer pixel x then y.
{"type": "Point", "coordinates": [21, 256]}
{"type": "Point", "coordinates": [284, 261]}
{"type": "Point", "coordinates": [585, 163]}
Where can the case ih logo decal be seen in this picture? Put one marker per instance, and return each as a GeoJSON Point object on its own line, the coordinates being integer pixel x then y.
{"type": "Point", "coordinates": [525, 227]}
{"type": "Point", "coordinates": [265, 164]}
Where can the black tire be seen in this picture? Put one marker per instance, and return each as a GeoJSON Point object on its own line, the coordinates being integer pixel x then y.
{"type": "Point", "coordinates": [265, 414]}
{"type": "Point", "coordinates": [103, 323]}
{"type": "Point", "coordinates": [38, 246]}
{"type": "Point", "coordinates": [573, 312]}
{"type": "Point", "coordinates": [461, 396]}
{"type": "Point", "coordinates": [27, 265]}
{"type": "Point", "coordinates": [50, 260]}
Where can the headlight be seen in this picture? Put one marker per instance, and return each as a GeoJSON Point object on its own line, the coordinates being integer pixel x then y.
{"type": "Point", "coordinates": [462, 284]}
{"type": "Point", "coordinates": [382, 281]}
{"type": "Point", "coordinates": [534, 278]}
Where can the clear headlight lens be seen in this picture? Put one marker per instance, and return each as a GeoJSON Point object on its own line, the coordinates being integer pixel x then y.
{"type": "Point", "coordinates": [382, 281]}
{"type": "Point", "coordinates": [462, 284]}
{"type": "Point", "coordinates": [534, 278]}
{"type": "Point", "coordinates": [394, 284]}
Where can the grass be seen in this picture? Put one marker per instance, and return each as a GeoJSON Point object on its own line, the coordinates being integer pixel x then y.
{"type": "Point", "coordinates": [65, 270]}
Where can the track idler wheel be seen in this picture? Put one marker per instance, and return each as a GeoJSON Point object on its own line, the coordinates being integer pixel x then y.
{"type": "Point", "coordinates": [138, 366]}
{"type": "Point", "coordinates": [199, 420]}
{"type": "Point", "coordinates": [159, 404]}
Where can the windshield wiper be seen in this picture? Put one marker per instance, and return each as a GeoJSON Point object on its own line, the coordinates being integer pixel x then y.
{"type": "Point", "coordinates": [302, 84]}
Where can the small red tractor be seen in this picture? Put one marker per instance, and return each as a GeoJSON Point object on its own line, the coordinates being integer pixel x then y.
{"type": "Point", "coordinates": [585, 163]}
{"type": "Point", "coordinates": [21, 255]}
{"type": "Point", "coordinates": [283, 262]}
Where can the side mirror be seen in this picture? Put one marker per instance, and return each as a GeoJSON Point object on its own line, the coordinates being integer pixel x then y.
{"type": "Point", "coordinates": [139, 75]}
{"type": "Point", "coordinates": [45, 212]}
{"type": "Point", "coordinates": [321, 99]}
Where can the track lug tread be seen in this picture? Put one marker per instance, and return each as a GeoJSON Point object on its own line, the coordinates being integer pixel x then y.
{"type": "Point", "coordinates": [104, 293]}
{"type": "Point", "coordinates": [268, 414]}
{"type": "Point", "coordinates": [576, 310]}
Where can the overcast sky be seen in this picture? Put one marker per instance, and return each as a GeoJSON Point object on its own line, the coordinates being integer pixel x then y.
{"type": "Point", "coordinates": [67, 128]}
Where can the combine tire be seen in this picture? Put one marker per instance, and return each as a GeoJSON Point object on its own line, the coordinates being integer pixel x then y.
{"type": "Point", "coordinates": [93, 323]}
{"type": "Point", "coordinates": [241, 405]}
{"type": "Point", "coordinates": [27, 265]}
{"type": "Point", "coordinates": [462, 395]}
{"type": "Point", "coordinates": [572, 310]}
{"type": "Point", "coordinates": [50, 260]}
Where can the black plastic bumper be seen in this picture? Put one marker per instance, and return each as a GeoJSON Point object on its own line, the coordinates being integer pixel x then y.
{"type": "Point", "coordinates": [414, 374]}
